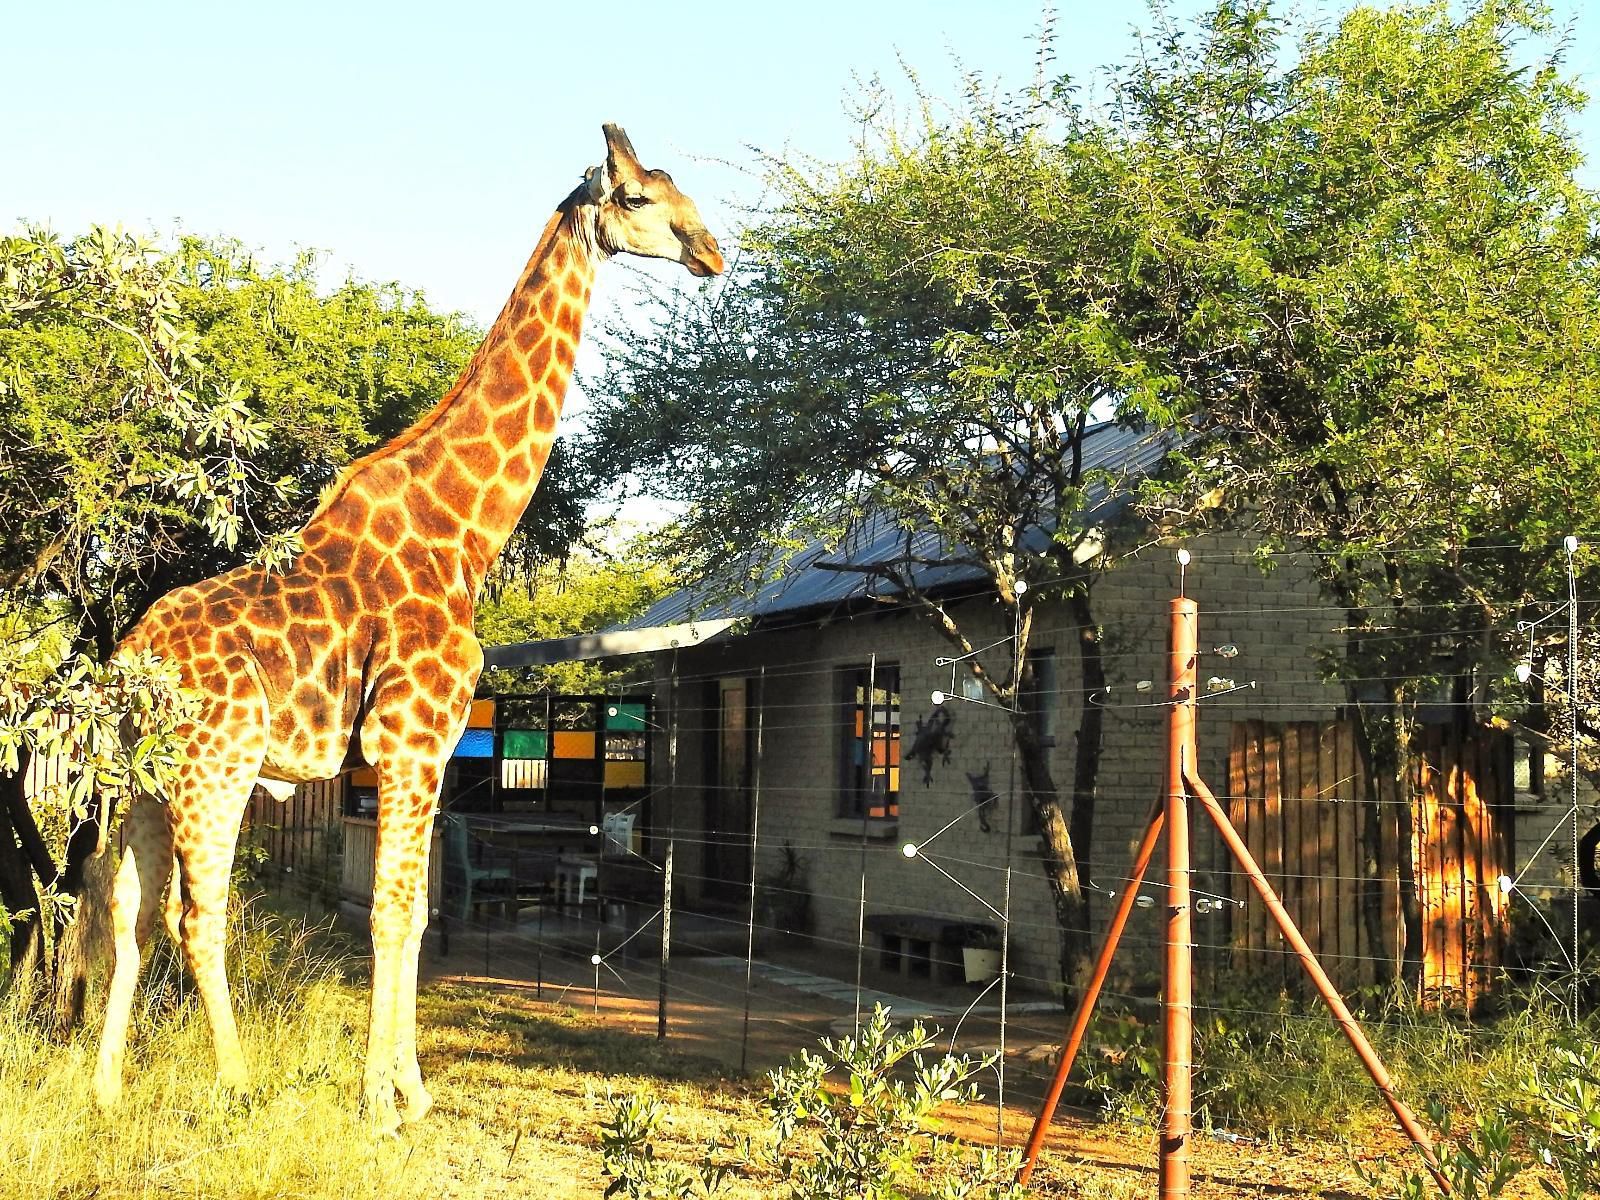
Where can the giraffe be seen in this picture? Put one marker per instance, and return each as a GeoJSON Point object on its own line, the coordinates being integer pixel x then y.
{"type": "Point", "coordinates": [362, 650]}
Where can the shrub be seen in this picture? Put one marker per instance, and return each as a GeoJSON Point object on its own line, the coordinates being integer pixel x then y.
{"type": "Point", "coordinates": [852, 1121]}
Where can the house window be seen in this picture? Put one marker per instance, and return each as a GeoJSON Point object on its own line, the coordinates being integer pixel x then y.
{"type": "Point", "coordinates": [1528, 767]}
{"type": "Point", "coordinates": [869, 753]}
{"type": "Point", "coordinates": [1040, 697]}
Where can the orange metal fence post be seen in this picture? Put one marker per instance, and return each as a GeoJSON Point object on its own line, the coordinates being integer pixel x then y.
{"type": "Point", "coordinates": [1091, 994]}
{"type": "Point", "coordinates": [1324, 985]}
{"type": "Point", "coordinates": [1183, 780]}
{"type": "Point", "coordinates": [1177, 997]}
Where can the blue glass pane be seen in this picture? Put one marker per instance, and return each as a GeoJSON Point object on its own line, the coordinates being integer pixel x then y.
{"type": "Point", "coordinates": [476, 743]}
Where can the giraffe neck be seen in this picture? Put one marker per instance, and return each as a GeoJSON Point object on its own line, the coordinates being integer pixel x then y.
{"type": "Point", "coordinates": [464, 473]}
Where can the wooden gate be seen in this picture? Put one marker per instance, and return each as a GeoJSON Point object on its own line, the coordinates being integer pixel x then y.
{"type": "Point", "coordinates": [300, 834]}
{"type": "Point", "coordinates": [1300, 798]}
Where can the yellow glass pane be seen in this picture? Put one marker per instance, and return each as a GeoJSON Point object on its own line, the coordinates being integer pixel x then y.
{"type": "Point", "coordinates": [624, 774]}
{"type": "Point", "coordinates": [364, 777]}
{"type": "Point", "coordinates": [481, 715]}
{"type": "Point", "coordinates": [894, 779]}
{"type": "Point", "coordinates": [571, 743]}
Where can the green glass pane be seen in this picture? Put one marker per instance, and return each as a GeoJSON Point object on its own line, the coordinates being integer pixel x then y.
{"type": "Point", "coordinates": [624, 716]}
{"type": "Point", "coordinates": [525, 743]}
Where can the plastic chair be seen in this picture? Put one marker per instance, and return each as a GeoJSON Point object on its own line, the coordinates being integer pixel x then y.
{"type": "Point", "coordinates": [458, 861]}
{"type": "Point", "coordinates": [574, 869]}
{"type": "Point", "coordinates": [617, 831]}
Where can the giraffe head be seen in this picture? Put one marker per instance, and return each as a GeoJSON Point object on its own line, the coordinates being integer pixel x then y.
{"type": "Point", "coordinates": [642, 212]}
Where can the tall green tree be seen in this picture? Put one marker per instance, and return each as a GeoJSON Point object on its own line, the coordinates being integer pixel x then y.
{"type": "Point", "coordinates": [1350, 265]}
{"type": "Point", "coordinates": [1371, 276]}
{"type": "Point", "coordinates": [589, 591]}
{"type": "Point", "coordinates": [913, 335]}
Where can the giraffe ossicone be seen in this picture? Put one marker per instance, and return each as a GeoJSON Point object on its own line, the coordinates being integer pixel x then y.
{"type": "Point", "coordinates": [362, 650]}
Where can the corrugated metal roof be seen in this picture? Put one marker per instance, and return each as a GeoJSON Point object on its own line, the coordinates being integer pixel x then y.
{"type": "Point", "coordinates": [803, 584]}
{"type": "Point", "coordinates": [614, 643]}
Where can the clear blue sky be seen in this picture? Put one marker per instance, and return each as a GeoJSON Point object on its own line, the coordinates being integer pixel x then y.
{"type": "Point", "coordinates": [426, 142]}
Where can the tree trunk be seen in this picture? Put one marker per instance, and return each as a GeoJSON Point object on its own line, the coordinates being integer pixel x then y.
{"type": "Point", "coordinates": [1091, 734]}
{"type": "Point", "coordinates": [1061, 861]}
{"type": "Point", "coordinates": [19, 893]}
{"type": "Point", "coordinates": [1410, 908]}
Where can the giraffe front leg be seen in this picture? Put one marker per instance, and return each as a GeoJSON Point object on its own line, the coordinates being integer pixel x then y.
{"type": "Point", "coordinates": [407, 793]}
{"type": "Point", "coordinates": [145, 864]}
{"type": "Point", "coordinates": [414, 1096]}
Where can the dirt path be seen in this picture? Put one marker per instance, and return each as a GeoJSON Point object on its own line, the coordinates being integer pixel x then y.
{"type": "Point", "coordinates": [790, 1009]}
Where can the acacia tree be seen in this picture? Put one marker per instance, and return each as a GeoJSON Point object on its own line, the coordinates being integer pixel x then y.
{"type": "Point", "coordinates": [911, 336]}
{"type": "Point", "coordinates": [1371, 274]}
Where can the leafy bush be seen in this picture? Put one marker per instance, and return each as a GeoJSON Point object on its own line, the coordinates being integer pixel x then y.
{"type": "Point", "coordinates": [852, 1121]}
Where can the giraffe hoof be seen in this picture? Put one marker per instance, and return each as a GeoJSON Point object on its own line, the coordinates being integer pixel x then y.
{"type": "Point", "coordinates": [235, 1082]}
{"type": "Point", "coordinates": [107, 1090]}
{"type": "Point", "coordinates": [416, 1105]}
{"type": "Point", "coordinates": [383, 1124]}
{"type": "Point", "coordinates": [382, 1117]}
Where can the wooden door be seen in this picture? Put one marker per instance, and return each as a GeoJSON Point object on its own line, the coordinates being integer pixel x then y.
{"type": "Point", "coordinates": [728, 799]}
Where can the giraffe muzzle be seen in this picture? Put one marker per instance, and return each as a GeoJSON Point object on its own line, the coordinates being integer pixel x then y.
{"type": "Point", "coordinates": [703, 257]}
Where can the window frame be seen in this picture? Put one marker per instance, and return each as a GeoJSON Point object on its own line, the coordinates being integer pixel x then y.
{"type": "Point", "coordinates": [859, 775]}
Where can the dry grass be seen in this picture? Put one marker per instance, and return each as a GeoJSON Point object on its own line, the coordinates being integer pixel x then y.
{"type": "Point", "coordinates": [519, 1087]}
{"type": "Point", "coordinates": [518, 1096]}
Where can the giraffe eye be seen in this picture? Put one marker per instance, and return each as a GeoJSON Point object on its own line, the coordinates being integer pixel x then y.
{"type": "Point", "coordinates": [636, 201]}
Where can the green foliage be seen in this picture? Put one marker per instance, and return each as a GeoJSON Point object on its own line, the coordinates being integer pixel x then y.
{"type": "Point", "coordinates": [1544, 1109]}
{"type": "Point", "coordinates": [115, 720]}
{"type": "Point", "coordinates": [1269, 1066]}
{"type": "Point", "coordinates": [586, 593]}
{"type": "Point", "coordinates": [1478, 1163]}
{"type": "Point", "coordinates": [1555, 1098]}
{"type": "Point", "coordinates": [1365, 264]}
{"type": "Point", "coordinates": [108, 395]}
{"type": "Point", "coordinates": [851, 1122]}
{"type": "Point", "coordinates": [630, 1156]}
{"type": "Point", "coordinates": [909, 332]}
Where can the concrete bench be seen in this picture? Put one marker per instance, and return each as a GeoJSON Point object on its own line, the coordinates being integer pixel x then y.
{"type": "Point", "coordinates": [926, 945]}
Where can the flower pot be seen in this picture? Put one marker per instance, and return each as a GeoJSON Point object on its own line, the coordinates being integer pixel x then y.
{"type": "Point", "coordinates": [980, 963]}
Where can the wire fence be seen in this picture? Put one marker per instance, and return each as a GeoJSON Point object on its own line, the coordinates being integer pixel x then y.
{"type": "Point", "coordinates": [1420, 895]}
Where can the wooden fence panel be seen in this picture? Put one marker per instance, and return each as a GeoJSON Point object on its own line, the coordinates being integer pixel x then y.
{"type": "Point", "coordinates": [1332, 849]}
{"type": "Point", "coordinates": [302, 835]}
{"type": "Point", "coordinates": [1238, 813]}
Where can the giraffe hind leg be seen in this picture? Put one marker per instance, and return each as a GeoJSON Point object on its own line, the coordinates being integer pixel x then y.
{"type": "Point", "coordinates": [136, 895]}
{"type": "Point", "coordinates": [205, 850]}
{"type": "Point", "coordinates": [172, 911]}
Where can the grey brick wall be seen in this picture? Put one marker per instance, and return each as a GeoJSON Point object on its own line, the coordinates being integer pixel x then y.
{"type": "Point", "coordinates": [1276, 620]}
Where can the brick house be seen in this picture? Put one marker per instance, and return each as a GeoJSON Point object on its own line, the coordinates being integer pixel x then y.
{"type": "Point", "coordinates": [794, 683]}
{"type": "Point", "coordinates": [791, 718]}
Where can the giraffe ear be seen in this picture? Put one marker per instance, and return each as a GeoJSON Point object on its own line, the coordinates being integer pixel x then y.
{"type": "Point", "coordinates": [621, 162]}
{"type": "Point", "coordinates": [599, 181]}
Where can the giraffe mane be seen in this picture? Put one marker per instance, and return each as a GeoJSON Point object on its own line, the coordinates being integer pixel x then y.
{"type": "Point", "coordinates": [347, 475]}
